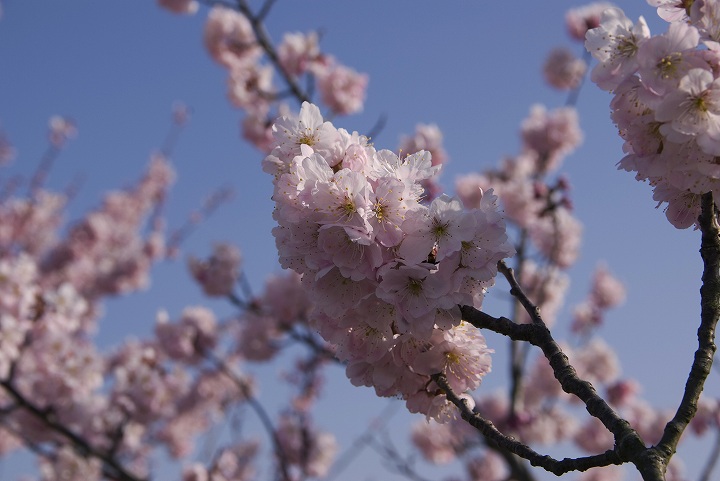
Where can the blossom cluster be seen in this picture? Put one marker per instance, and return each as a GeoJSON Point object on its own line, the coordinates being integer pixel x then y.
{"type": "Point", "coordinates": [606, 292]}
{"type": "Point", "coordinates": [385, 271]}
{"type": "Point", "coordinates": [666, 100]}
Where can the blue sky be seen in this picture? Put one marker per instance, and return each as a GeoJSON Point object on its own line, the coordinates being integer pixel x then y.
{"type": "Point", "coordinates": [473, 68]}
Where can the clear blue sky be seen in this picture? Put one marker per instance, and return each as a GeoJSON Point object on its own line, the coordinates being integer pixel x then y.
{"type": "Point", "coordinates": [471, 67]}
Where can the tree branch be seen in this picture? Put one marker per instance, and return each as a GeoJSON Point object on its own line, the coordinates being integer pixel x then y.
{"type": "Point", "coordinates": [259, 410]}
{"type": "Point", "coordinates": [712, 459]}
{"type": "Point", "coordinates": [111, 466]}
{"type": "Point", "coordinates": [488, 429]}
{"type": "Point", "coordinates": [709, 314]}
{"type": "Point", "coordinates": [628, 444]}
{"type": "Point", "coordinates": [267, 45]}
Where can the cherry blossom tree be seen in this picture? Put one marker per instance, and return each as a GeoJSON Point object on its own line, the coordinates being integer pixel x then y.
{"type": "Point", "coordinates": [384, 276]}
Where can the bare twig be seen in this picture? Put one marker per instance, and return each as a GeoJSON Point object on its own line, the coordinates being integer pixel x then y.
{"type": "Point", "coordinates": [347, 457]}
{"type": "Point", "coordinates": [712, 459]}
{"type": "Point", "coordinates": [488, 429]}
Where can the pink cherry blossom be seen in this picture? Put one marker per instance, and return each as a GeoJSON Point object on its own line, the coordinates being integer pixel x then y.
{"type": "Point", "coordinates": [552, 135]}
{"type": "Point", "coordinates": [298, 51]}
{"type": "Point", "coordinates": [186, 7]}
{"type": "Point", "coordinates": [607, 473]}
{"type": "Point", "coordinates": [671, 10]}
{"type": "Point", "coordinates": [307, 129]}
{"type": "Point", "coordinates": [383, 270]}
{"type": "Point", "coordinates": [218, 274]}
{"type": "Point", "coordinates": [427, 137]}
{"type": "Point", "coordinates": [462, 356]}
{"type": "Point", "coordinates": [434, 441]}
{"type": "Point", "coordinates": [489, 467]}
{"type": "Point", "coordinates": [579, 20]}
{"type": "Point", "coordinates": [607, 291]}
{"type": "Point", "coordinates": [7, 152]}
{"type": "Point", "coordinates": [311, 450]}
{"type": "Point", "coordinates": [592, 437]}
{"type": "Point", "coordinates": [663, 60]}
{"type": "Point", "coordinates": [563, 70]}
{"type": "Point", "coordinates": [558, 235]}
{"type": "Point", "coordinates": [623, 392]}
{"type": "Point", "coordinates": [615, 44]}
{"type": "Point", "coordinates": [191, 337]}
{"type": "Point", "coordinates": [342, 89]}
{"type": "Point", "coordinates": [61, 129]}
{"type": "Point", "coordinates": [229, 37]}
{"type": "Point", "coordinates": [69, 465]}
{"type": "Point", "coordinates": [444, 225]}
{"type": "Point", "coordinates": [693, 110]}
{"type": "Point", "coordinates": [416, 293]}
{"type": "Point", "coordinates": [249, 85]}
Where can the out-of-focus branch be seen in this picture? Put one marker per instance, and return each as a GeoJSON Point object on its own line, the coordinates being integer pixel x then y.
{"type": "Point", "coordinates": [709, 314]}
{"type": "Point", "coordinates": [377, 128]}
{"type": "Point", "coordinates": [256, 406]}
{"type": "Point", "coordinates": [265, 10]}
{"type": "Point", "coordinates": [394, 459]}
{"type": "Point", "coordinates": [111, 466]}
{"type": "Point", "coordinates": [712, 459]}
{"type": "Point", "coordinates": [574, 94]}
{"type": "Point", "coordinates": [264, 41]}
{"type": "Point", "coordinates": [517, 359]}
{"type": "Point", "coordinates": [207, 209]}
{"type": "Point", "coordinates": [365, 439]}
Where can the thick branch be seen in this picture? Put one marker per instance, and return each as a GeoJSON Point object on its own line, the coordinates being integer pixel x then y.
{"type": "Point", "coordinates": [709, 314]}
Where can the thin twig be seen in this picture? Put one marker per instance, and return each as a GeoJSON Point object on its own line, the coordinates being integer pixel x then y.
{"type": "Point", "coordinates": [712, 459]}
{"type": "Point", "coordinates": [267, 45]}
{"type": "Point", "coordinates": [346, 458]}
{"type": "Point", "coordinates": [259, 411]}
{"type": "Point", "coordinates": [488, 429]}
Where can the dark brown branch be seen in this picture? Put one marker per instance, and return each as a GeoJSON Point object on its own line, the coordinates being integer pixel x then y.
{"type": "Point", "coordinates": [709, 314]}
{"type": "Point", "coordinates": [488, 429]}
{"type": "Point", "coordinates": [628, 444]}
